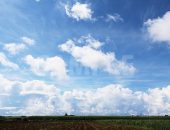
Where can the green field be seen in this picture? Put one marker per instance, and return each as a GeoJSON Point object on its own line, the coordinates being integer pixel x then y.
{"type": "Point", "coordinates": [85, 123]}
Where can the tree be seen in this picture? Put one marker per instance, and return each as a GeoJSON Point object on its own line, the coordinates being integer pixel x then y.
{"type": "Point", "coordinates": [66, 114]}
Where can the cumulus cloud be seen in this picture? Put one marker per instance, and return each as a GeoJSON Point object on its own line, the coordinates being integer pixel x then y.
{"type": "Point", "coordinates": [113, 99]}
{"type": "Point", "coordinates": [28, 41]}
{"type": "Point", "coordinates": [90, 41]}
{"type": "Point", "coordinates": [158, 100]}
{"type": "Point", "coordinates": [159, 28]}
{"type": "Point", "coordinates": [55, 66]}
{"type": "Point", "coordinates": [37, 87]}
{"type": "Point", "coordinates": [79, 11]}
{"type": "Point", "coordinates": [14, 48]}
{"type": "Point", "coordinates": [90, 55]}
{"type": "Point", "coordinates": [36, 107]}
{"type": "Point", "coordinates": [108, 100]}
{"type": "Point", "coordinates": [114, 18]}
{"type": "Point", "coordinates": [4, 61]}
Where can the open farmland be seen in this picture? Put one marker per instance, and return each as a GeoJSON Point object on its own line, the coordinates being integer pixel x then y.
{"type": "Point", "coordinates": [62, 125]}
{"type": "Point", "coordinates": [85, 123]}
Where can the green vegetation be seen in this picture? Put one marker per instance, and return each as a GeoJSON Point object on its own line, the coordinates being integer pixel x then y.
{"type": "Point", "coordinates": [152, 124]}
{"type": "Point", "coordinates": [46, 118]}
{"type": "Point", "coordinates": [85, 123]}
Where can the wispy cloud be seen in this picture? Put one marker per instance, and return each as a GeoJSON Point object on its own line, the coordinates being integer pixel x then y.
{"type": "Point", "coordinates": [114, 18]}
{"type": "Point", "coordinates": [4, 61]}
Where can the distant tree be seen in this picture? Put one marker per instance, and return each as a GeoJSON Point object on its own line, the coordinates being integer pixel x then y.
{"type": "Point", "coordinates": [66, 114]}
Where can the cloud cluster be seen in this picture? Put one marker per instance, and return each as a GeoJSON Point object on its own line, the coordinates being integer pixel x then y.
{"type": "Point", "coordinates": [113, 99]}
{"type": "Point", "coordinates": [159, 28]}
{"type": "Point", "coordinates": [79, 11]}
{"type": "Point", "coordinates": [108, 100]}
{"type": "Point", "coordinates": [90, 55]}
{"type": "Point", "coordinates": [55, 66]}
{"type": "Point", "coordinates": [14, 48]}
{"type": "Point", "coordinates": [40, 98]}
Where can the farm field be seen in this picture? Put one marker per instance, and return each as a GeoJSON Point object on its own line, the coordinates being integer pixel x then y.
{"type": "Point", "coordinates": [62, 125]}
{"type": "Point", "coordinates": [84, 123]}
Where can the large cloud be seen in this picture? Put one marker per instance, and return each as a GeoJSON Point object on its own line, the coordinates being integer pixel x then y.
{"type": "Point", "coordinates": [159, 28]}
{"type": "Point", "coordinates": [109, 100]}
{"type": "Point", "coordinates": [55, 66]}
{"type": "Point", "coordinates": [90, 55]}
{"type": "Point", "coordinates": [113, 99]}
{"type": "Point", "coordinates": [79, 11]}
{"type": "Point", "coordinates": [4, 61]}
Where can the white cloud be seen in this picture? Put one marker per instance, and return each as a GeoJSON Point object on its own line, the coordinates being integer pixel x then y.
{"type": "Point", "coordinates": [159, 28]}
{"type": "Point", "coordinates": [37, 87]}
{"type": "Point", "coordinates": [36, 106]}
{"type": "Point", "coordinates": [158, 100]}
{"type": "Point", "coordinates": [28, 41]}
{"type": "Point", "coordinates": [114, 18]}
{"type": "Point", "coordinates": [108, 100]}
{"type": "Point", "coordinates": [79, 11]}
{"type": "Point", "coordinates": [53, 65]}
{"type": "Point", "coordinates": [14, 48]}
{"type": "Point", "coordinates": [90, 55]}
{"type": "Point", "coordinates": [113, 99]}
{"type": "Point", "coordinates": [90, 41]}
{"type": "Point", "coordinates": [5, 85]}
{"type": "Point", "coordinates": [6, 62]}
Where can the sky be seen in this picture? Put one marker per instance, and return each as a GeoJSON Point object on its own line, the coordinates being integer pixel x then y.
{"type": "Point", "coordinates": [84, 57]}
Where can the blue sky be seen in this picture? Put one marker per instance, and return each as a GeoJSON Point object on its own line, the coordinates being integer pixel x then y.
{"type": "Point", "coordinates": [62, 54]}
